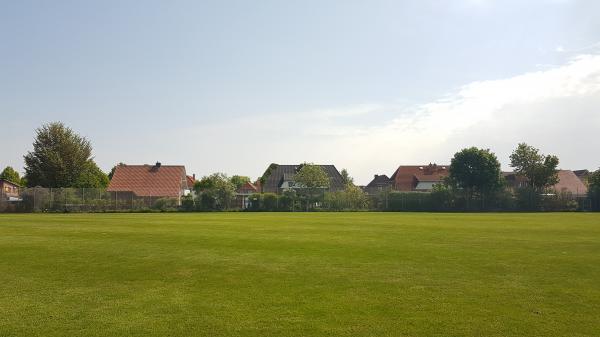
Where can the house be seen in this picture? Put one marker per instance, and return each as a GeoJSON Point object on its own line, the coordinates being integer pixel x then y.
{"type": "Point", "coordinates": [568, 182]}
{"type": "Point", "coordinates": [191, 180]}
{"type": "Point", "coordinates": [418, 178]}
{"type": "Point", "coordinates": [150, 181]}
{"type": "Point", "coordinates": [583, 175]}
{"type": "Point", "coordinates": [243, 194]}
{"type": "Point", "coordinates": [380, 182]}
{"type": "Point", "coordinates": [9, 190]}
{"type": "Point", "coordinates": [279, 178]}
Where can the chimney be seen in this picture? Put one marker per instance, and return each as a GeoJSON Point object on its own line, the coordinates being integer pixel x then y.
{"type": "Point", "coordinates": [157, 164]}
{"type": "Point", "coordinates": [194, 176]}
{"type": "Point", "coordinates": [376, 176]}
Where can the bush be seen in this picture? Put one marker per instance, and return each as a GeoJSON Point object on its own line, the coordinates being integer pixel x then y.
{"type": "Point", "coordinates": [409, 201]}
{"type": "Point", "coordinates": [187, 203]}
{"type": "Point", "coordinates": [165, 204]}
{"type": "Point", "coordinates": [269, 202]}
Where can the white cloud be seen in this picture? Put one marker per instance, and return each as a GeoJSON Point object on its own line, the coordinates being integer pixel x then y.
{"type": "Point", "coordinates": [556, 109]}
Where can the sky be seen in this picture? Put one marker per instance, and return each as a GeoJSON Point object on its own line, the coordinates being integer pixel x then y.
{"type": "Point", "coordinates": [232, 86]}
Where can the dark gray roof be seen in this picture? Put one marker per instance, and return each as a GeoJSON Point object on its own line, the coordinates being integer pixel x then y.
{"type": "Point", "coordinates": [274, 180]}
{"type": "Point", "coordinates": [380, 180]}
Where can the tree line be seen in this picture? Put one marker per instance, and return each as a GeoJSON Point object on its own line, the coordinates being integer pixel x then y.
{"type": "Point", "coordinates": [61, 158]}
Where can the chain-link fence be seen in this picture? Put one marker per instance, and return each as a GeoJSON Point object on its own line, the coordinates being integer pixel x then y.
{"type": "Point", "coordinates": [79, 200]}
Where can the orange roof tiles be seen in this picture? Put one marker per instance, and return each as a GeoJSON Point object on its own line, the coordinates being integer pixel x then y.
{"type": "Point", "coordinates": [149, 181]}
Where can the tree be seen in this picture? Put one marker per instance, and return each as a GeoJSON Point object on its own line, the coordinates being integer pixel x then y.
{"type": "Point", "coordinates": [92, 177]}
{"type": "Point", "coordinates": [11, 175]}
{"type": "Point", "coordinates": [594, 189]}
{"type": "Point", "coordinates": [312, 180]}
{"type": "Point", "coordinates": [239, 181]}
{"type": "Point", "coordinates": [476, 172]}
{"type": "Point", "coordinates": [540, 170]}
{"type": "Point", "coordinates": [60, 158]}
{"type": "Point", "coordinates": [346, 178]}
{"type": "Point", "coordinates": [216, 191]}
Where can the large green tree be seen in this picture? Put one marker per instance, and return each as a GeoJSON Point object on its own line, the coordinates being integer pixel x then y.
{"type": "Point", "coordinates": [476, 172]}
{"type": "Point", "coordinates": [594, 189]}
{"type": "Point", "coordinates": [11, 175]}
{"type": "Point", "coordinates": [312, 180]}
{"type": "Point", "coordinates": [539, 169]}
{"type": "Point", "coordinates": [215, 191]}
{"type": "Point", "coordinates": [61, 158]}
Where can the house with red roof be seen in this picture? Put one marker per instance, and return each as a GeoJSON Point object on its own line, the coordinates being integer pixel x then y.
{"type": "Point", "coordinates": [150, 181]}
{"type": "Point", "coordinates": [243, 194]}
{"type": "Point", "coordinates": [418, 178]}
{"type": "Point", "coordinates": [568, 182]}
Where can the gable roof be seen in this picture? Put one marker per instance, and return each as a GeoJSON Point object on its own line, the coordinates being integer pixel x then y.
{"type": "Point", "coordinates": [569, 182]}
{"type": "Point", "coordinates": [9, 182]}
{"type": "Point", "coordinates": [405, 178]}
{"type": "Point", "coordinates": [149, 181]}
{"type": "Point", "coordinates": [247, 187]}
{"type": "Point", "coordinates": [280, 172]}
{"type": "Point", "coordinates": [380, 180]}
{"type": "Point", "coordinates": [190, 181]}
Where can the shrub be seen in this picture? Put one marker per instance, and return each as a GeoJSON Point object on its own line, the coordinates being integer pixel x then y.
{"type": "Point", "coordinates": [165, 204]}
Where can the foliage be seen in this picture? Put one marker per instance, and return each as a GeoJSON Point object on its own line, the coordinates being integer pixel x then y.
{"type": "Point", "coordinates": [92, 177]}
{"type": "Point", "coordinates": [187, 203]}
{"type": "Point", "coordinates": [346, 178]}
{"type": "Point", "coordinates": [409, 201]}
{"type": "Point", "coordinates": [476, 172]}
{"type": "Point", "coordinates": [60, 158]}
{"type": "Point", "coordinates": [594, 189]}
{"type": "Point", "coordinates": [312, 180]}
{"type": "Point", "coordinates": [540, 170]}
{"type": "Point", "coordinates": [11, 175]}
{"type": "Point", "coordinates": [239, 181]}
{"type": "Point", "coordinates": [165, 204]}
{"type": "Point", "coordinates": [352, 198]}
{"type": "Point", "coordinates": [216, 192]}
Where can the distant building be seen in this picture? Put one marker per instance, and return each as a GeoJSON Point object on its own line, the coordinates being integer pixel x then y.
{"type": "Point", "coordinates": [568, 182]}
{"type": "Point", "coordinates": [9, 190]}
{"type": "Point", "coordinates": [243, 194]}
{"type": "Point", "coordinates": [418, 178]}
{"type": "Point", "coordinates": [379, 183]}
{"type": "Point", "coordinates": [279, 178]}
{"type": "Point", "coordinates": [583, 175]}
{"type": "Point", "coordinates": [150, 181]}
{"type": "Point", "coordinates": [191, 180]}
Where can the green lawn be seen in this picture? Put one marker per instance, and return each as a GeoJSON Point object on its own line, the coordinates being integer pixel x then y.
{"type": "Point", "coordinates": [319, 274]}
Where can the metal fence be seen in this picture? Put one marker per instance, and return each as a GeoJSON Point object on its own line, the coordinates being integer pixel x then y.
{"type": "Point", "coordinates": [78, 200]}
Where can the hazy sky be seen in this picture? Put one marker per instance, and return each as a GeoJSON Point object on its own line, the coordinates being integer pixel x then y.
{"type": "Point", "coordinates": [232, 86]}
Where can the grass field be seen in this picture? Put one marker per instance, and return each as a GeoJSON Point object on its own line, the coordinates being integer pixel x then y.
{"type": "Point", "coordinates": [320, 274]}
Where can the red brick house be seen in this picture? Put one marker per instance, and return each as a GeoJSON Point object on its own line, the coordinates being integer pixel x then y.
{"type": "Point", "coordinates": [9, 190]}
{"type": "Point", "coordinates": [418, 178]}
{"type": "Point", "coordinates": [157, 181]}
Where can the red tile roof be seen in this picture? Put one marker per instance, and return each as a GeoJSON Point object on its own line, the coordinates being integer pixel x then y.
{"type": "Point", "coordinates": [190, 181]}
{"type": "Point", "coordinates": [149, 181]}
{"type": "Point", "coordinates": [248, 187]}
{"type": "Point", "coordinates": [569, 182]}
{"type": "Point", "coordinates": [406, 177]}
